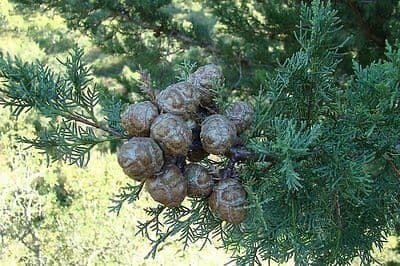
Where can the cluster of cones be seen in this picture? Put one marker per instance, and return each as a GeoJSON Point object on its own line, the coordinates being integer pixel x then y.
{"type": "Point", "coordinates": [173, 132]}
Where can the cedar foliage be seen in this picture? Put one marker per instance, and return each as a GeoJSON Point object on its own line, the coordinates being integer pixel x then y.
{"type": "Point", "coordinates": [245, 37]}
{"type": "Point", "coordinates": [325, 187]}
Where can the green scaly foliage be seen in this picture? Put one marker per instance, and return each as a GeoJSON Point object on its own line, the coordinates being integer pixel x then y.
{"type": "Point", "coordinates": [325, 187]}
{"type": "Point", "coordinates": [247, 38]}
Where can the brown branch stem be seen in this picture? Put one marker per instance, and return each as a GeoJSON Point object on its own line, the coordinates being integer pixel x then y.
{"type": "Point", "coordinates": [364, 26]}
{"type": "Point", "coordinates": [338, 209]}
{"type": "Point", "coordinates": [240, 153]}
{"type": "Point", "coordinates": [94, 125]}
{"type": "Point", "coordinates": [175, 33]}
{"type": "Point", "coordinates": [393, 166]}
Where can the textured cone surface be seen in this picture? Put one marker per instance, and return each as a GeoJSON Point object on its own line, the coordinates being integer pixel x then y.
{"type": "Point", "coordinates": [180, 99]}
{"type": "Point", "coordinates": [199, 181]}
{"type": "Point", "coordinates": [138, 118]}
{"type": "Point", "coordinates": [169, 187]}
{"type": "Point", "coordinates": [217, 134]}
{"type": "Point", "coordinates": [171, 132]}
{"type": "Point", "coordinates": [228, 201]}
{"type": "Point", "coordinates": [204, 78]}
{"type": "Point", "coordinates": [241, 114]}
{"type": "Point", "coordinates": [140, 158]}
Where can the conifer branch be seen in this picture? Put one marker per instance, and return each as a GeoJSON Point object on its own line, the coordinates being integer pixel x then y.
{"type": "Point", "coordinates": [158, 30]}
{"type": "Point", "coordinates": [71, 97]}
{"type": "Point", "coordinates": [175, 33]}
{"type": "Point", "coordinates": [306, 166]}
{"type": "Point", "coordinates": [98, 126]}
{"type": "Point", "coordinates": [130, 194]}
{"type": "Point", "coordinates": [146, 86]}
{"type": "Point", "coordinates": [364, 26]}
{"type": "Point", "coordinates": [338, 209]}
{"type": "Point", "coordinates": [392, 165]}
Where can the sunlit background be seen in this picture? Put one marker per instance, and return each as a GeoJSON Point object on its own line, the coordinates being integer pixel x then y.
{"type": "Point", "coordinates": [58, 214]}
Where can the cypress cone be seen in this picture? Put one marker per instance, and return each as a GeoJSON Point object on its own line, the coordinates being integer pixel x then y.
{"type": "Point", "coordinates": [180, 99]}
{"type": "Point", "coordinates": [138, 117]}
{"type": "Point", "coordinates": [169, 187]}
{"type": "Point", "coordinates": [228, 201]}
{"type": "Point", "coordinates": [241, 114]}
{"type": "Point", "coordinates": [171, 132]}
{"type": "Point", "coordinates": [204, 78]}
{"type": "Point", "coordinates": [140, 158]}
{"type": "Point", "coordinates": [200, 182]}
{"type": "Point", "coordinates": [218, 134]}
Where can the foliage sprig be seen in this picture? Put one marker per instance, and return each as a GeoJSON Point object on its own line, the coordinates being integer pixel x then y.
{"type": "Point", "coordinates": [68, 101]}
{"type": "Point", "coordinates": [324, 187]}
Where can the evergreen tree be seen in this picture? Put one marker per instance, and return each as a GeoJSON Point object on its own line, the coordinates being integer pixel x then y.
{"type": "Point", "coordinates": [245, 37]}
{"type": "Point", "coordinates": [320, 164]}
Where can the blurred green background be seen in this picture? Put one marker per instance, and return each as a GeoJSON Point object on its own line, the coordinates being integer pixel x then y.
{"type": "Point", "coordinates": [58, 214]}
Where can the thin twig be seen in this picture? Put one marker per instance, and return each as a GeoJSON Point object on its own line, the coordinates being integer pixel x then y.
{"type": "Point", "coordinates": [240, 153]}
{"type": "Point", "coordinates": [257, 260]}
{"type": "Point", "coordinates": [364, 26]}
{"type": "Point", "coordinates": [393, 166]}
{"type": "Point", "coordinates": [185, 39]}
{"type": "Point", "coordinates": [237, 83]}
{"type": "Point", "coordinates": [90, 123]}
{"type": "Point", "coordinates": [338, 210]}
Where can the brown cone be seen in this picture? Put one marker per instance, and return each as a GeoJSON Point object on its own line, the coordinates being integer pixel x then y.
{"type": "Point", "coordinates": [171, 132]}
{"type": "Point", "coordinates": [180, 99]}
{"type": "Point", "coordinates": [200, 182]}
{"type": "Point", "coordinates": [138, 117]}
{"type": "Point", "coordinates": [241, 114]}
{"type": "Point", "coordinates": [140, 158]}
{"type": "Point", "coordinates": [228, 201]}
{"type": "Point", "coordinates": [204, 78]}
{"type": "Point", "coordinates": [218, 134]}
{"type": "Point", "coordinates": [169, 187]}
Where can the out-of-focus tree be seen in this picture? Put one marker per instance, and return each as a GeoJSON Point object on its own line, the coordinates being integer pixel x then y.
{"type": "Point", "coordinates": [246, 38]}
{"type": "Point", "coordinates": [323, 172]}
